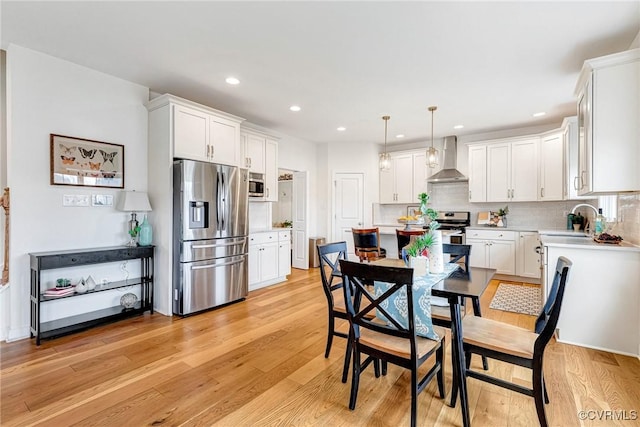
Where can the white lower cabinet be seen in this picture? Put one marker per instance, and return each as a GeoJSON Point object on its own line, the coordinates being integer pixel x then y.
{"type": "Point", "coordinates": [528, 260]}
{"type": "Point", "coordinates": [493, 249]}
{"type": "Point", "coordinates": [269, 258]}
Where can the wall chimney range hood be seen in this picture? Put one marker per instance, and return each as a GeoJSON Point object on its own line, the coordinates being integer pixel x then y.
{"type": "Point", "coordinates": [449, 173]}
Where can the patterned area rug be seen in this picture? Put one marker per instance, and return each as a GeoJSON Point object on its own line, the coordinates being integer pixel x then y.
{"type": "Point", "coordinates": [517, 298]}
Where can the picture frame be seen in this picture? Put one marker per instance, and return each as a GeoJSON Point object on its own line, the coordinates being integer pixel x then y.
{"type": "Point", "coordinates": [86, 163]}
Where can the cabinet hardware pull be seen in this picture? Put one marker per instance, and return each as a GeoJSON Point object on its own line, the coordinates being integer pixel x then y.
{"type": "Point", "coordinates": [469, 194]}
{"type": "Point", "coordinates": [542, 192]}
{"type": "Point", "coordinates": [575, 183]}
{"type": "Point", "coordinates": [267, 197]}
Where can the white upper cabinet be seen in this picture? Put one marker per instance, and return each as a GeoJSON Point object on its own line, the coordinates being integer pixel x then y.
{"type": "Point", "coordinates": [204, 134]}
{"type": "Point", "coordinates": [608, 93]}
{"type": "Point", "coordinates": [552, 178]}
{"type": "Point", "coordinates": [478, 173]}
{"type": "Point", "coordinates": [512, 171]}
{"type": "Point", "coordinates": [271, 170]}
{"type": "Point", "coordinates": [396, 184]}
{"type": "Point", "coordinates": [259, 153]}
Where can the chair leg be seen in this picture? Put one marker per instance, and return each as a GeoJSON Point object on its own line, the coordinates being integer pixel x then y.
{"type": "Point", "coordinates": [347, 359]}
{"type": "Point", "coordinates": [538, 393]}
{"type": "Point", "coordinates": [355, 379]}
{"type": "Point", "coordinates": [384, 367]}
{"type": "Point", "coordinates": [414, 395]}
{"type": "Point", "coordinates": [331, 330]}
{"type": "Point", "coordinates": [544, 388]}
{"type": "Point", "coordinates": [476, 312]}
{"type": "Point", "coordinates": [376, 367]}
{"type": "Point", "coordinates": [440, 360]}
{"type": "Point", "coordinates": [467, 358]}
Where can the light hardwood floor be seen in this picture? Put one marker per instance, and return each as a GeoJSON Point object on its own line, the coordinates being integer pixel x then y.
{"type": "Point", "coordinates": [261, 363]}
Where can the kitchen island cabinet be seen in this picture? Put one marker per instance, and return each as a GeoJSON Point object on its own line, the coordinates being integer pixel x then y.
{"type": "Point", "coordinates": [602, 296]}
{"type": "Point", "coordinates": [493, 249]}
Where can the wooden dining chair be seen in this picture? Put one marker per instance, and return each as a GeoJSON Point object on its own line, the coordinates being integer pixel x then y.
{"type": "Point", "coordinates": [516, 345]}
{"type": "Point", "coordinates": [388, 341]}
{"type": "Point", "coordinates": [404, 237]}
{"type": "Point", "coordinates": [441, 315]}
{"type": "Point", "coordinates": [330, 256]}
{"type": "Point", "coordinates": [366, 242]}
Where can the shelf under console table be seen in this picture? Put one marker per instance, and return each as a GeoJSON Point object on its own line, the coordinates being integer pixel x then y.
{"type": "Point", "coordinates": [41, 261]}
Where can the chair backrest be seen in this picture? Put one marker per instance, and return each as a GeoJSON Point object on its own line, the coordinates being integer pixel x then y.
{"type": "Point", "coordinates": [404, 237]}
{"type": "Point", "coordinates": [366, 238]}
{"type": "Point", "coordinates": [548, 319]}
{"type": "Point", "coordinates": [329, 256]}
{"type": "Point", "coordinates": [361, 302]}
{"type": "Point", "coordinates": [458, 252]}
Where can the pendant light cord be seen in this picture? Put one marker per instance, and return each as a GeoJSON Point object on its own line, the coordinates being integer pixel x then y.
{"type": "Point", "coordinates": [386, 120]}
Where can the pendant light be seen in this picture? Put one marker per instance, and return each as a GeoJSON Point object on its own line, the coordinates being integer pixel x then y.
{"type": "Point", "coordinates": [385, 158]}
{"type": "Point", "coordinates": [432, 153]}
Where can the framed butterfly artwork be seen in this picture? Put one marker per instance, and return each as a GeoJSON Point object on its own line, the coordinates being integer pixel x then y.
{"type": "Point", "coordinates": [86, 163]}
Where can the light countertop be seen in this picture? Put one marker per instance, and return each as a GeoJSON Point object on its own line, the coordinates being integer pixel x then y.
{"type": "Point", "coordinates": [266, 230]}
{"type": "Point", "coordinates": [587, 242]}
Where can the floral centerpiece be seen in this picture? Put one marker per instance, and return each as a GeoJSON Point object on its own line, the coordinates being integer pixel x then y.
{"type": "Point", "coordinates": [420, 255]}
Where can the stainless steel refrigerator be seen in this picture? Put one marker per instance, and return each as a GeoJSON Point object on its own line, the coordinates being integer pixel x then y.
{"type": "Point", "coordinates": [210, 228]}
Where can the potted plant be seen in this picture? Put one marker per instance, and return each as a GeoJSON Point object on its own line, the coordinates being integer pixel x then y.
{"type": "Point", "coordinates": [427, 213]}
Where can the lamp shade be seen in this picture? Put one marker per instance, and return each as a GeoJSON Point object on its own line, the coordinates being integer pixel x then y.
{"type": "Point", "coordinates": [134, 201]}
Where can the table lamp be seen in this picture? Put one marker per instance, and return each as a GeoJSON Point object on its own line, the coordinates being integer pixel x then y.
{"type": "Point", "coordinates": [133, 201]}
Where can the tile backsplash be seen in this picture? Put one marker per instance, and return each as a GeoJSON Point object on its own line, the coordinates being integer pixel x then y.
{"type": "Point", "coordinates": [454, 196]}
{"type": "Point", "coordinates": [629, 217]}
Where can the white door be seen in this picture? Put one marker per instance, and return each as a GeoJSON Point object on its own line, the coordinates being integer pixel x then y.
{"type": "Point", "coordinates": [348, 201]}
{"type": "Point", "coordinates": [269, 261]}
{"type": "Point", "coordinates": [300, 232]}
{"type": "Point", "coordinates": [223, 141]}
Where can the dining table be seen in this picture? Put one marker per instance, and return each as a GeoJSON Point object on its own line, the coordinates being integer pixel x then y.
{"type": "Point", "coordinates": [455, 287]}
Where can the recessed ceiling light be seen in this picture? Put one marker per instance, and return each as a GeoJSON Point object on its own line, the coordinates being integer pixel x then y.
{"type": "Point", "coordinates": [400, 135]}
{"type": "Point", "coordinates": [540, 114]}
{"type": "Point", "coordinates": [458, 126]}
{"type": "Point", "coordinates": [295, 108]}
{"type": "Point", "coordinates": [341, 129]}
{"type": "Point", "coordinates": [232, 80]}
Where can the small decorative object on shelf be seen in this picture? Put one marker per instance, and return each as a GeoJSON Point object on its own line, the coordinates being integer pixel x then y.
{"type": "Point", "coordinates": [91, 284]}
{"type": "Point", "coordinates": [81, 287]}
{"type": "Point", "coordinates": [145, 233]}
{"type": "Point", "coordinates": [128, 300]}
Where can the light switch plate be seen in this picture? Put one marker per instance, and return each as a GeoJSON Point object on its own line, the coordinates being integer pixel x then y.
{"type": "Point", "coordinates": [75, 200]}
{"type": "Point", "coordinates": [102, 200]}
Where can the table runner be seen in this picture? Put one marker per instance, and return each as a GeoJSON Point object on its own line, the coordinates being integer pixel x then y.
{"type": "Point", "coordinates": [396, 305]}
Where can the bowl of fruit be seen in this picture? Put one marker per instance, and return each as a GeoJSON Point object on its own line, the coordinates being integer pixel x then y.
{"type": "Point", "coordinates": [410, 220]}
{"type": "Point", "coordinates": [611, 239]}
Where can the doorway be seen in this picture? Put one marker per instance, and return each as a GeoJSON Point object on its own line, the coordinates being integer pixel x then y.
{"type": "Point", "coordinates": [348, 206]}
{"type": "Point", "coordinates": [291, 211]}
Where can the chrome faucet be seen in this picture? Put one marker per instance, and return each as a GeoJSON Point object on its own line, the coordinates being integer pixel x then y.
{"type": "Point", "coordinates": [586, 205]}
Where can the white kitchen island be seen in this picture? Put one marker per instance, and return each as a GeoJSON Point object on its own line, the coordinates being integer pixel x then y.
{"type": "Point", "coordinates": [601, 307]}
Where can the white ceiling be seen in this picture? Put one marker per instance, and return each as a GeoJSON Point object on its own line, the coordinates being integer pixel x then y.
{"type": "Point", "coordinates": [486, 65]}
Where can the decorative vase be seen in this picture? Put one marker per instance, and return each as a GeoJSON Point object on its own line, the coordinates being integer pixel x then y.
{"type": "Point", "coordinates": [91, 284]}
{"type": "Point", "coordinates": [128, 300]}
{"type": "Point", "coordinates": [145, 234]}
{"type": "Point", "coordinates": [420, 265]}
{"type": "Point", "coordinates": [436, 256]}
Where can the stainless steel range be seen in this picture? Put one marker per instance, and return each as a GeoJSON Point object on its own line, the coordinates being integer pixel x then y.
{"type": "Point", "coordinates": [453, 225]}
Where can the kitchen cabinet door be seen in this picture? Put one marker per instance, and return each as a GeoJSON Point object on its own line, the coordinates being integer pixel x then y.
{"type": "Point", "coordinates": [284, 258]}
{"type": "Point", "coordinates": [552, 167]}
{"type": "Point", "coordinates": [528, 260]}
{"type": "Point", "coordinates": [421, 172]}
{"type": "Point", "coordinates": [524, 170]}
{"type": "Point", "coordinates": [269, 261]}
{"type": "Point", "coordinates": [254, 264]}
{"type": "Point", "coordinates": [271, 171]}
{"type": "Point", "coordinates": [224, 139]}
{"type": "Point", "coordinates": [254, 152]}
{"type": "Point", "coordinates": [499, 172]}
{"type": "Point", "coordinates": [190, 133]}
{"type": "Point", "coordinates": [502, 256]}
{"type": "Point", "coordinates": [608, 111]}
{"type": "Point", "coordinates": [478, 173]}
{"type": "Point", "coordinates": [478, 255]}
{"type": "Point", "coordinates": [396, 184]}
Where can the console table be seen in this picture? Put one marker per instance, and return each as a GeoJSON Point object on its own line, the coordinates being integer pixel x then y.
{"type": "Point", "coordinates": [70, 258]}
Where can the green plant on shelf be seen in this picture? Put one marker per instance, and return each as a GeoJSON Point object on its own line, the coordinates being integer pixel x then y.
{"type": "Point", "coordinates": [503, 211]}
{"type": "Point", "coordinates": [420, 244]}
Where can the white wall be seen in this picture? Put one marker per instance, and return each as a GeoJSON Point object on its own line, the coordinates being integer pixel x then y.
{"type": "Point", "coordinates": [47, 95]}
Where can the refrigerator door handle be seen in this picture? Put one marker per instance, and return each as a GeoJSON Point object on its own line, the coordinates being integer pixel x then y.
{"type": "Point", "coordinates": [217, 245]}
{"type": "Point", "coordinates": [202, 267]}
{"type": "Point", "coordinates": [219, 204]}
{"type": "Point", "coordinates": [224, 200]}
